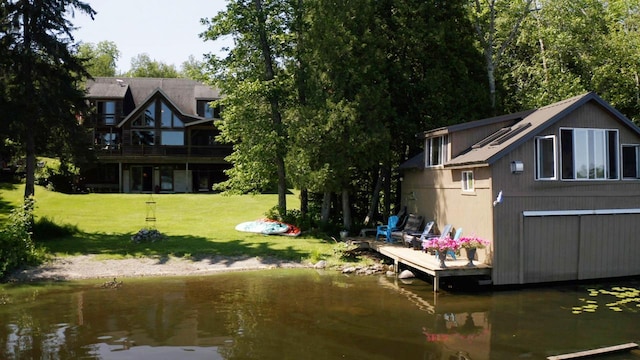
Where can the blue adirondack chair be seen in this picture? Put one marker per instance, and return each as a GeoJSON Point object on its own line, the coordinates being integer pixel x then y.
{"type": "Point", "coordinates": [387, 229]}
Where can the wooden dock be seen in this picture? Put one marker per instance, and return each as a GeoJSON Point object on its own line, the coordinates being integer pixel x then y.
{"type": "Point", "coordinates": [426, 263]}
{"type": "Point", "coordinates": [594, 352]}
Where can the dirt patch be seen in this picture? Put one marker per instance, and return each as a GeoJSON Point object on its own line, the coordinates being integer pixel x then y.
{"type": "Point", "coordinates": [90, 267]}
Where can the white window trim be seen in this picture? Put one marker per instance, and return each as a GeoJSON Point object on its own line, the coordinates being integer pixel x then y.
{"type": "Point", "coordinates": [466, 178]}
{"type": "Point", "coordinates": [618, 158]}
{"type": "Point", "coordinates": [537, 158]}
{"type": "Point", "coordinates": [443, 156]}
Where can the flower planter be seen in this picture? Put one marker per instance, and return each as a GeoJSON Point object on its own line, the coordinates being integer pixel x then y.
{"type": "Point", "coordinates": [471, 254]}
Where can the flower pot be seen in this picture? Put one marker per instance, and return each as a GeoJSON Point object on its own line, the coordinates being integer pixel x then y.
{"type": "Point", "coordinates": [442, 256]}
{"type": "Point", "coordinates": [471, 254]}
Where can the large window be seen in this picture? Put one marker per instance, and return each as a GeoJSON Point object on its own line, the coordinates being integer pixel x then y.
{"type": "Point", "coordinates": [630, 161]}
{"type": "Point", "coordinates": [168, 118]}
{"type": "Point", "coordinates": [589, 154]}
{"type": "Point", "coordinates": [148, 118]}
{"type": "Point", "coordinates": [143, 137]}
{"type": "Point", "coordinates": [436, 151]}
{"type": "Point", "coordinates": [545, 157]}
{"type": "Point", "coordinates": [172, 138]}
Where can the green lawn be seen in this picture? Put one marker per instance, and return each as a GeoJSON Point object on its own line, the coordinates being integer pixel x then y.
{"type": "Point", "coordinates": [194, 224]}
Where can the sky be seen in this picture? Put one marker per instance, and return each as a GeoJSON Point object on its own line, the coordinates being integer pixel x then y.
{"type": "Point", "coordinates": [166, 30]}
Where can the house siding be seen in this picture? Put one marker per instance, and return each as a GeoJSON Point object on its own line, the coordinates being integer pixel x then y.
{"type": "Point", "coordinates": [437, 195]}
{"type": "Point", "coordinates": [518, 249]}
{"type": "Point", "coordinates": [543, 230]}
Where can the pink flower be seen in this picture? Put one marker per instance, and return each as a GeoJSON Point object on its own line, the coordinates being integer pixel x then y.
{"type": "Point", "coordinates": [441, 244]}
{"type": "Point", "coordinates": [473, 242]}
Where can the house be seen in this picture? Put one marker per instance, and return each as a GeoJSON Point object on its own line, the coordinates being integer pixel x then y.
{"type": "Point", "coordinates": [556, 190]}
{"type": "Point", "coordinates": [152, 134]}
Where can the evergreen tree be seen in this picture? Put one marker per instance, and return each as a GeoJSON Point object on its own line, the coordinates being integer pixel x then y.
{"type": "Point", "coordinates": [42, 77]}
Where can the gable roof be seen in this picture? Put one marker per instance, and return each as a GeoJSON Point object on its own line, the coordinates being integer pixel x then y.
{"type": "Point", "coordinates": [182, 93]}
{"type": "Point", "coordinates": [489, 150]}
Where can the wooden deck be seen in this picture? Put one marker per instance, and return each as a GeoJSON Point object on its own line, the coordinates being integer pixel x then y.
{"type": "Point", "coordinates": [426, 263]}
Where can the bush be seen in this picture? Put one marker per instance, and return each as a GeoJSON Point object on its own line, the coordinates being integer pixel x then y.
{"type": "Point", "coordinates": [16, 245]}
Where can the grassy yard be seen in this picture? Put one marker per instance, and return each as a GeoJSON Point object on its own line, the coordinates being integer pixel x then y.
{"type": "Point", "coordinates": [194, 224]}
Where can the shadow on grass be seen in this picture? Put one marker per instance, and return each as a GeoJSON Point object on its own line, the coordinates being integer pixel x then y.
{"type": "Point", "coordinates": [190, 247]}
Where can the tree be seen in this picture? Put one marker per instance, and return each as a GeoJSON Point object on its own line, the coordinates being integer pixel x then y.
{"type": "Point", "coordinates": [496, 24]}
{"type": "Point", "coordinates": [143, 66]}
{"type": "Point", "coordinates": [42, 75]}
{"type": "Point", "coordinates": [100, 59]}
{"type": "Point", "coordinates": [253, 79]}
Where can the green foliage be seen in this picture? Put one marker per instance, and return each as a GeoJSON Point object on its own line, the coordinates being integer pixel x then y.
{"type": "Point", "coordinates": [143, 66]}
{"type": "Point", "coordinates": [16, 245]}
{"type": "Point", "coordinates": [57, 176]}
{"type": "Point", "coordinates": [100, 59]}
{"type": "Point", "coordinates": [42, 79]}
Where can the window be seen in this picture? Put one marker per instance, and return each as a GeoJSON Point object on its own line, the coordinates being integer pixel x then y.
{"type": "Point", "coordinates": [166, 178]}
{"type": "Point", "coordinates": [142, 137]}
{"type": "Point", "coordinates": [168, 118]}
{"type": "Point", "coordinates": [630, 161]}
{"type": "Point", "coordinates": [436, 151]}
{"type": "Point", "coordinates": [467, 181]}
{"type": "Point", "coordinates": [173, 138]}
{"type": "Point", "coordinates": [107, 140]}
{"type": "Point", "coordinates": [107, 112]}
{"type": "Point", "coordinates": [148, 118]}
{"type": "Point", "coordinates": [545, 147]}
{"type": "Point", "coordinates": [589, 154]}
{"type": "Point", "coordinates": [207, 111]}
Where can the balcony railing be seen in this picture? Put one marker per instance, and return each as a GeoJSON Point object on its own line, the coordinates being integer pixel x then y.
{"type": "Point", "coordinates": [148, 150]}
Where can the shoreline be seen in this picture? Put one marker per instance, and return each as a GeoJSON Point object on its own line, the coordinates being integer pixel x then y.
{"type": "Point", "coordinates": [83, 267]}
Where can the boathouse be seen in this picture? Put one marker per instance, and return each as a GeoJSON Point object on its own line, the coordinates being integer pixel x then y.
{"type": "Point", "coordinates": [556, 190]}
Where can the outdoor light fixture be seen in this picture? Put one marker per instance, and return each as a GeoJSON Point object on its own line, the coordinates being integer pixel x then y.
{"type": "Point", "coordinates": [517, 167]}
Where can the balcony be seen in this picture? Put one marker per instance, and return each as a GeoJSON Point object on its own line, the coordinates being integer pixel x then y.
{"type": "Point", "coordinates": [210, 151]}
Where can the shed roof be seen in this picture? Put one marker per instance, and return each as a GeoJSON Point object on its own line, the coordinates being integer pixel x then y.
{"type": "Point", "coordinates": [497, 145]}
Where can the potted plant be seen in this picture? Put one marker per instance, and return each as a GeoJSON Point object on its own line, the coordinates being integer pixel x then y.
{"type": "Point", "coordinates": [471, 244]}
{"type": "Point", "coordinates": [441, 245]}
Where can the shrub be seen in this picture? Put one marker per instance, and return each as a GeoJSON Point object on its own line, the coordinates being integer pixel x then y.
{"type": "Point", "coordinates": [16, 245]}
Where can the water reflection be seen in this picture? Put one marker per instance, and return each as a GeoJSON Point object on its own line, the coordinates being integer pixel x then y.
{"type": "Point", "coordinates": [300, 314]}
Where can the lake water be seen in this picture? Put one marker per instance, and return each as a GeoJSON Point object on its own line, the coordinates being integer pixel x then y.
{"type": "Point", "coordinates": [304, 314]}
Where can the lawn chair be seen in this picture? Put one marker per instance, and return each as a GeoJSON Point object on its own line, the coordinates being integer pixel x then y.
{"type": "Point", "coordinates": [387, 229]}
{"type": "Point", "coordinates": [415, 239]}
{"type": "Point", "coordinates": [411, 226]}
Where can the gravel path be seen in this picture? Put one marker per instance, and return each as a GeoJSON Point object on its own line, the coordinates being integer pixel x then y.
{"type": "Point", "coordinates": [89, 267]}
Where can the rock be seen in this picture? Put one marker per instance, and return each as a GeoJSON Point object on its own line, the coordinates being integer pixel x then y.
{"type": "Point", "coordinates": [320, 264]}
{"type": "Point", "coordinates": [406, 274]}
{"type": "Point", "coordinates": [348, 270]}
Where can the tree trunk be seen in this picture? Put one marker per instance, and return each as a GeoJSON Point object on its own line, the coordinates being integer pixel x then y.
{"type": "Point", "coordinates": [326, 208]}
{"type": "Point", "coordinates": [29, 113]}
{"type": "Point", "coordinates": [304, 202]}
{"type": "Point", "coordinates": [276, 117]}
{"type": "Point", "coordinates": [346, 210]}
{"type": "Point", "coordinates": [375, 198]}
{"type": "Point", "coordinates": [386, 175]}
